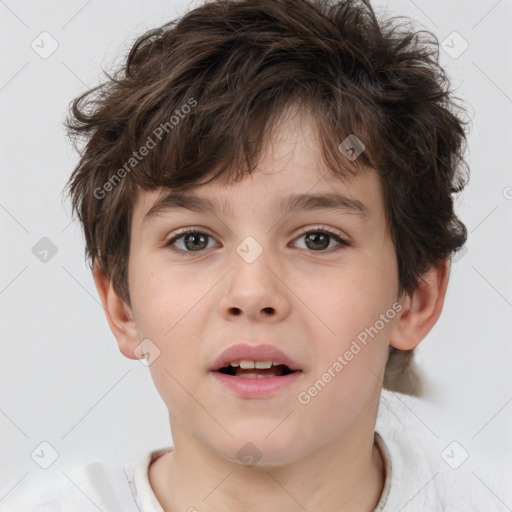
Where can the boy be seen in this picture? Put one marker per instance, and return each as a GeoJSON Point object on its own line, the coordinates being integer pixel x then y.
{"type": "Point", "coordinates": [266, 196]}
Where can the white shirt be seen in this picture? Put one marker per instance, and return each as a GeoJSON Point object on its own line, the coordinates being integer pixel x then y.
{"type": "Point", "coordinates": [423, 474]}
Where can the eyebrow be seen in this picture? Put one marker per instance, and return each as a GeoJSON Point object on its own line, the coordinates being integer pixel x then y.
{"type": "Point", "coordinates": [293, 202]}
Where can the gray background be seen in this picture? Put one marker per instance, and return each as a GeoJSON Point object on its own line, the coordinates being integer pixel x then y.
{"type": "Point", "coordinates": [63, 380]}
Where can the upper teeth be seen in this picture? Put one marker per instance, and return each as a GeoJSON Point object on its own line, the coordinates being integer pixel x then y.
{"type": "Point", "coordinates": [253, 364]}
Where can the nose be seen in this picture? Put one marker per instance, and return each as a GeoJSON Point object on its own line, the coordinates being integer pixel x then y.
{"type": "Point", "coordinates": [255, 290]}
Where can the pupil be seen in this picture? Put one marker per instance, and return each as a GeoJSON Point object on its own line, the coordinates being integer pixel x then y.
{"type": "Point", "coordinates": [314, 237]}
{"type": "Point", "coordinates": [192, 236]}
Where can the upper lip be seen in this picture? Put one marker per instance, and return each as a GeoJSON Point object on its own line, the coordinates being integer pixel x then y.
{"type": "Point", "coordinates": [253, 352]}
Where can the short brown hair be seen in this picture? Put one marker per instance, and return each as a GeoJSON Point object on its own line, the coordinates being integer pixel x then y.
{"type": "Point", "coordinates": [215, 81]}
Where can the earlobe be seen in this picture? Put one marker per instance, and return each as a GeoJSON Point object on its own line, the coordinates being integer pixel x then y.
{"type": "Point", "coordinates": [421, 309]}
{"type": "Point", "coordinates": [119, 314]}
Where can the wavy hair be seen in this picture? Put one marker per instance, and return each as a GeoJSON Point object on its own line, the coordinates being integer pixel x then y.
{"type": "Point", "coordinates": [207, 87]}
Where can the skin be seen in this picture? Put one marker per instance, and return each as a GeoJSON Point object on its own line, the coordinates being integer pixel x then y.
{"type": "Point", "coordinates": [310, 302]}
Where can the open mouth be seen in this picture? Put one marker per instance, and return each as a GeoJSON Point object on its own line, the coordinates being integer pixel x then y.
{"type": "Point", "coordinates": [256, 373]}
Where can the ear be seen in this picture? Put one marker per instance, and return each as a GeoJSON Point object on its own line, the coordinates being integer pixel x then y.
{"type": "Point", "coordinates": [421, 309]}
{"type": "Point", "coordinates": [119, 314]}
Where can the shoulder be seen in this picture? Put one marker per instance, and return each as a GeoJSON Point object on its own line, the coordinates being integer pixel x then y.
{"type": "Point", "coordinates": [429, 469]}
{"type": "Point", "coordinates": [87, 488]}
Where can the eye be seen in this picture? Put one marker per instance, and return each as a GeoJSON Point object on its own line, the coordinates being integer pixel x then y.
{"type": "Point", "coordinates": [193, 241]}
{"type": "Point", "coordinates": [319, 238]}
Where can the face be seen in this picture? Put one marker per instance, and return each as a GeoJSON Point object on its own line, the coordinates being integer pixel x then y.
{"type": "Point", "coordinates": [319, 283]}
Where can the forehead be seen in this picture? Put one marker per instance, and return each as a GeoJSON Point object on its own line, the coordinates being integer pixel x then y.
{"type": "Point", "coordinates": [290, 175]}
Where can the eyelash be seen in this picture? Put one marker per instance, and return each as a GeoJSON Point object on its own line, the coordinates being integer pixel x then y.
{"type": "Point", "coordinates": [317, 229]}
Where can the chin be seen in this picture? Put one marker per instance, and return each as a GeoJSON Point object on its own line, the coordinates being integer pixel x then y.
{"type": "Point", "coordinates": [258, 449]}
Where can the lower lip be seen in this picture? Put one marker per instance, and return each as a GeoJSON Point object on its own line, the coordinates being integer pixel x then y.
{"type": "Point", "coordinates": [256, 387]}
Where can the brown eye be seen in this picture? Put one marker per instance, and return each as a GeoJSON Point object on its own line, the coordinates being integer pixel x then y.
{"type": "Point", "coordinates": [190, 241]}
{"type": "Point", "coordinates": [320, 240]}
{"type": "Point", "coordinates": [195, 241]}
{"type": "Point", "coordinates": [317, 240]}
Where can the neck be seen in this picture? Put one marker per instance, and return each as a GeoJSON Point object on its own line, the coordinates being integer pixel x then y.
{"type": "Point", "coordinates": [344, 475]}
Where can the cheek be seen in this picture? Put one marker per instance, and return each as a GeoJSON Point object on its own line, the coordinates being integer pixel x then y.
{"type": "Point", "coordinates": [349, 299]}
{"type": "Point", "coordinates": [353, 352]}
{"type": "Point", "coordinates": [166, 307]}
{"type": "Point", "coordinates": [355, 315]}
{"type": "Point", "coordinates": [167, 312]}
{"type": "Point", "coordinates": [162, 294]}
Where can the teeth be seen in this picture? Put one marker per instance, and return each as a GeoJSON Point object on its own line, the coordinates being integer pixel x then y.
{"type": "Point", "coordinates": [263, 365]}
{"type": "Point", "coordinates": [247, 365]}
